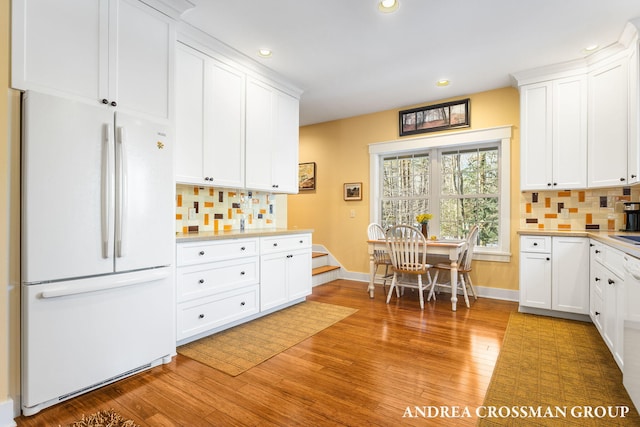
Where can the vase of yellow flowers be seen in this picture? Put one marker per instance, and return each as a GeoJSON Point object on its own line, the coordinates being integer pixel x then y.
{"type": "Point", "coordinates": [423, 220]}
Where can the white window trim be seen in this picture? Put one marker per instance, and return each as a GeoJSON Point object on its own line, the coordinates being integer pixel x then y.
{"type": "Point", "coordinates": [501, 135]}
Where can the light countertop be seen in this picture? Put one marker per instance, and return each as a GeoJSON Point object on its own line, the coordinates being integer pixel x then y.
{"type": "Point", "coordinates": [603, 236]}
{"type": "Point", "coordinates": [236, 234]}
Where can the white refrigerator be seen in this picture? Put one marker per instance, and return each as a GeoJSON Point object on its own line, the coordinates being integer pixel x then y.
{"type": "Point", "coordinates": [97, 248]}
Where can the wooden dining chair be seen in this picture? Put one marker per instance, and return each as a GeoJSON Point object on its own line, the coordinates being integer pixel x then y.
{"type": "Point", "coordinates": [380, 257]}
{"type": "Point", "coordinates": [464, 268]}
{"type": "Point", "coordinates": [407, 247]}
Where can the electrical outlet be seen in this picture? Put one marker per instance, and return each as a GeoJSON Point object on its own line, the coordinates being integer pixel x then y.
{"type": "Point", "coordinates": [352, 213]}
{"type": "Point", "coordinates": [192, 214]}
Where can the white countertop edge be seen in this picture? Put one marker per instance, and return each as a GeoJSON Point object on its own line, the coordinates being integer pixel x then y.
{"type": "Point", "coordinates": [237, 234]}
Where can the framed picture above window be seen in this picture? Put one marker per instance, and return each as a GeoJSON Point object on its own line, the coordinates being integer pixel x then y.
{"type": "Point", "coordinates": [353, 191]}
{"type": "Point", "coordinates": [449, 115]}
{"type": "Point", "coordinates": [306, 176]}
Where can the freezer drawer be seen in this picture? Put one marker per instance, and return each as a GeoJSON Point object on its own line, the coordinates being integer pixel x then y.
{"type": "Point", "coordinates": [78, 335]}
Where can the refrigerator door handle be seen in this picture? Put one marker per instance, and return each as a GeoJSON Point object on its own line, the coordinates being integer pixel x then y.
{"type": "Point", "coordinates": [106, 188]}
{"type": "Point", "coordinates": [121, 191]}
{"type": "Point", "coordinates": [77, 290]}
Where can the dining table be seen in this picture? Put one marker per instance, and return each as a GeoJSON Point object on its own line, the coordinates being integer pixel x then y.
{"type": "Point", "coordinates": [447, 247]}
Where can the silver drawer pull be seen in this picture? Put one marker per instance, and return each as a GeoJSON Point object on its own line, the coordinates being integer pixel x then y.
{"type": "Point", "coordinates": [242, 303]}
{"type": "Point", "coordinates": [242, 273]}
{"type": "Point", "coordinates": [201, 281]}
{"type": "Point", "coordinates": [201, 253]}
{"type": "Point", "coordinates": [243, 248]}
{"type": "Point", "coordinates": [201, 316]}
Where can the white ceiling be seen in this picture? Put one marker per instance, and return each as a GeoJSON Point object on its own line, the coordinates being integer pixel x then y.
{"type": "Point", "coordinates": [350, 59]}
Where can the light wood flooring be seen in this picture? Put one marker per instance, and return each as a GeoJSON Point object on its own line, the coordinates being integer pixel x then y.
{"type": "Point", "coordinates": [363, 371]}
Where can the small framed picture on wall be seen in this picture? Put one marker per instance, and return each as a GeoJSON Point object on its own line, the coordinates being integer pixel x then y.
{"type": "Point", "coordinates": [353, 191]}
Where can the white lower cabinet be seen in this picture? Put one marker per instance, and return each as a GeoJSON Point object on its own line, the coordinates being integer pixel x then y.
{"type": "Point", "coordinates": [554, 273]}
{"type": "Point", "coordinates": [217, 283]}
{"type": "Point", "coordinates": [228, 281]}
{"type": "Point", "coordinates": [285, 269]}
{"type": "Point", "coordinates": [607, 296]}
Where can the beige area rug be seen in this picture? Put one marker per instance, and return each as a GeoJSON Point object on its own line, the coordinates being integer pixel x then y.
{"type": "Point", "coordinates": [237, 349]}
{"type": "Point", "coordinates": [551, 363]}
{"type": "Point", "coordinates": [106, 418]}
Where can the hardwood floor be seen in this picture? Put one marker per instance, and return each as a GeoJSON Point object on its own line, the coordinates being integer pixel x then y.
{"type": "Point", "coordinates": [363, 371]}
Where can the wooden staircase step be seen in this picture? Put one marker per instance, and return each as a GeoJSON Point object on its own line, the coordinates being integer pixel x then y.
{"type": "Point", "coordinates": [324, 269]}
{"type": "Point", "coordinates": [318, 254]}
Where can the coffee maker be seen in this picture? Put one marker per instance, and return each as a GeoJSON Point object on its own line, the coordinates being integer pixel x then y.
{"type": "Point", "coordinates": [632, 216]}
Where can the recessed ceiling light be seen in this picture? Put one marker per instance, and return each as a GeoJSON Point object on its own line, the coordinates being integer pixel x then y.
{"type": "Point", "coordinates": [442, 83]}
{"type": "Point", "coordinates": [388, 6]}
{"type": "Point", "coordinates": [265, 53]}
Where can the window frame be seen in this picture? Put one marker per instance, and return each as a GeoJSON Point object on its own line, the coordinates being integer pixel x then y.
{"type": "Point", "coordinates": [500, 135]}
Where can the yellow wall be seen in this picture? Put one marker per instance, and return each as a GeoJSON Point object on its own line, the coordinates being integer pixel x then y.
{"type": "Point", "coordinates": [9, 219]}
{"type": "Point", "coordinates": [4, 194]}
{"type": "Point", "coordinates": [340, 150]}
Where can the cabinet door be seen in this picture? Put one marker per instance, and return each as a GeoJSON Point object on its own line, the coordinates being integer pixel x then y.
{"type": "Point", "coordinates": [535, 280]}
{"type": "Point", "coordinates": [607, 117]}
{"type": "Point", "coordinates": [613, 325]}
{"type": "Point", "coordinates": [299, 274]}
{"type": "Point", "coordinates": [140, 75]}
{"type": "Point", "coordinates": [190, 74]}
{"type": "Point", "coordinates": [570, 274]}
{"type": "Point", "coordinates": [273, 280]}
{"type": "Point", "coordinates": [259, 136]}
{"type": "Point", "coordinates": [570, 133]}
{"type": "Point", "coordinates": [285, 149]}
{"type": "Point", "coordinates": [536, 137]}
{"type": "Point", "coordinates": [60, 47]}
{"type": "Point", "coordinates": [224, 125]}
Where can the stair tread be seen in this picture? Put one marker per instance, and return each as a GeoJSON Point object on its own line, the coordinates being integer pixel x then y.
{"type": "Point", "coordinates": [318, 254]}
{"type": "Point", "coordinates": [324, 269]}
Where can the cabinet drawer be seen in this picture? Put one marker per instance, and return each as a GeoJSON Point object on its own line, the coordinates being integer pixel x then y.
{"type": "Point", "coordinates": [597, 251]}
{"type": "Point", "coordinates": [202, 252]}
{"type": "Point", "coordinates": [284, 243]}
{"type": "Point", "coordinates": [208, 313]}
{"type": "Point", "coordinates": [540, 244]}
{"type": "Point", "coordinates": [614, 261]}
{"type": "Point", "coordinates": [204, 279]}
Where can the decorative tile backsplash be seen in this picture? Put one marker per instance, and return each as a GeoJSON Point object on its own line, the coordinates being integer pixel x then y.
{"type": "Point", "coordinates": [218, 209]}
{"type": "Point", "coordinates": [598, 209]}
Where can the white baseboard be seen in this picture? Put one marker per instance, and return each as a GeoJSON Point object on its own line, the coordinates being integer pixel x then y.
{"type": "Point", "coordinates": [6, 414]}
{"type": "Point", "coordinates": [483, 291]}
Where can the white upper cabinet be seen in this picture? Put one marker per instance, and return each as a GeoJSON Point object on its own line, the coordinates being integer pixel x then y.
{"type": "Point", "coordinates": [117, 52]}
{"type": "Point", "coordinates": [271, 139]}
{"type": "Point", "coordinates": [209, 120]}
{"type": "Point", "coordinates": [608, 124]}
{"type": "Point", "coordinates": [554, 134]}
{"type": "Point", "coordinates": [580, 120]}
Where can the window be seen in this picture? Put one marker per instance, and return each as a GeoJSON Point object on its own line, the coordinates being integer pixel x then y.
{"type": "Point", "coordinates": [405, 188]}
{"type": "Point", "coordinates": [470, 194]}
{"type": "Point", "coordinates": [461, 178]}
